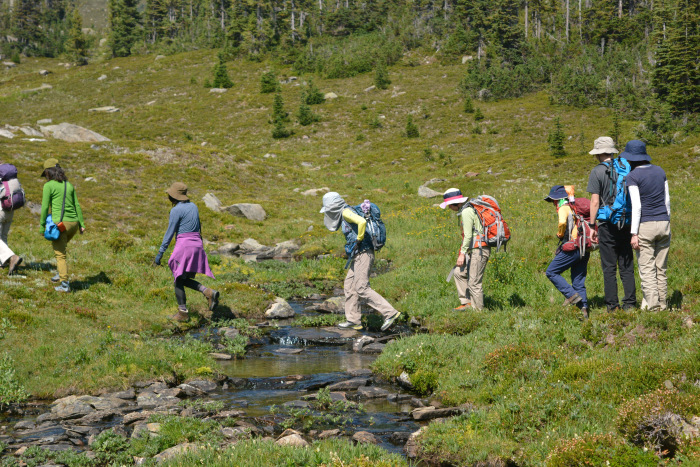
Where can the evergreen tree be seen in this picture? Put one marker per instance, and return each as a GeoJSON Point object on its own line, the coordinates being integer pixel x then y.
{"type": "Point", "coordinates": [26, 18]}
{"type": "Point", "coordinates": [381, 76]}
{"type": "Point", "coordinates": [411, 128]}
{"type": "Point", "coordinates": [279, 131]}
{"type": "Point", "coordinates": [312, 95]}
{"type": "Point", "coordinates": [221, 78]}
{"type": "Point", "coordinates": [278, 112]}
{"type": "Point", "coordinates": [305, 116]}
{"type": "Point", "coordinates": [123, 25]}
{"type": "Point", "coordinates": [154, 20]}
{"type": "Point", "coordinates": [478, 116]}
{"type": "Point", "coordinates": [268, 83]}
{"type": "Point", "coordinates": [556, 140]}
{"type": "Point", "coordinates": [468, 105]}
{"type": "Point", "coordinates": [76, 45]}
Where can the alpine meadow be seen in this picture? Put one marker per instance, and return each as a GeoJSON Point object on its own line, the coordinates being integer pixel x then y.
{"type": "Point", "coordinates": [263, 107]}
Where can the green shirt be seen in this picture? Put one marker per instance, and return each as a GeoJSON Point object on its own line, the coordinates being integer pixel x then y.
{"type": "Point", "coordinates": [53, 200]}
{"type": "Point", "coordinates": [469, 221]}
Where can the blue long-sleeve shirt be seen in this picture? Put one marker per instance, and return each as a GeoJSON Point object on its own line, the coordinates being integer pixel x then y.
{"type": "Point", "coordinates": [184, 218]}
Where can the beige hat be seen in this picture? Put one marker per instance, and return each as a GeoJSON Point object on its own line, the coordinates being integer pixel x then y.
{"type": "Point", "coordinates": [603, 145]}
{"type": "Point", "coordinates": [178, 191]}
{"type": "Point", "coordinates": [49, 163]}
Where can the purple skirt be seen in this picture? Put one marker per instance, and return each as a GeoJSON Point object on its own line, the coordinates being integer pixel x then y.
{"type": "Point", "coordinates": [189, 256]}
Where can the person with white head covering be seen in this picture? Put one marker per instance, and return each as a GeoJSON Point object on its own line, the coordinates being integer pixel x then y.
{"type": "Point", "coordinates": [336, 213]}
{"type": "Point", "coordinates": [473, 253]}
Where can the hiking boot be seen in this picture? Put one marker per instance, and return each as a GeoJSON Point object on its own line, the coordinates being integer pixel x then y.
{"type": "Point", "coordinates": [64, 287]}
{"type": "Point", "coordinates": [389, 321]}
{"type": "Point", "coordinates": [614, 309]}
{"type": "Point", "coordinates": [573, 300]}
{"type": "Point", "coordinates": [181, 316]}
{"type": "Point", "coordinates": [56, 278]}
{"type": "Point", "coordinates": [463, 307]}
{"type": "Point", "coordinates": [14, 262]}
{"type": "Point", "coordinates": [212, 298]}
{"type": "Point", "coordinates": [585, 313]}
{"type": "Point", "coordinates": [349, 325]}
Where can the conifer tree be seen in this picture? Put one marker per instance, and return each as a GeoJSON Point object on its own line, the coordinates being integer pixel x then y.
{"type": "Point", "coordinates": [268, 83]}
{"type": "Point", "coordinates": [154, 20]}
{"type": "Point", "coordinates": [478, 116]}
{"type": "Point", "coordinates": [76, 45]}
{"type": "Point", "coordinates": [279, 118]}
{"type": "Point", "coordinates": [411, 128]}
{"type": "Point", "coordinates": [26, 18]}
{"type": "Point", "coordinates": [305, 116]}
{"type": "Point", "coordinates": [313, 95]}
{"type": "Point", "coordinates": [221, 78]}
{"type": "Point", "coordinates": [468, 105]}
{"type": "Point", "coordinates": [381, 76]}
{"type": "Point", "coordinates": [123, 24]}
{"type": "Point", "coordinates": [556, 140]}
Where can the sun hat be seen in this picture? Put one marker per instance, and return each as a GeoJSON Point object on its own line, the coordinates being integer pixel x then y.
{"type": "Point", "coordinates": [556, 193]}
{"type": "Point", "coordinates": [636, 151]}
{"type": "Point", "coordinates": [178, 191]}
{"type": "Point", "coordinates": [49, 163]}
{"type": "Point", "coordinates": [603, 145]}
{"type": "Point", "coordinates": [452, 196]}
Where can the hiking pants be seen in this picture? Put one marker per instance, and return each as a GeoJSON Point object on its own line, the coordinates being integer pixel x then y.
{"type": "Point", "coordinates": [469, 279]}
{"type": "Point", "coordinates": [616, 252]}
{"type": "Point", "coordinates": [654, 242]}
{"type": "Point", "coordinates": [59, 248]}
{"type": "Point", "coordinates": [186, 280]}
{"type": "Point", "coordinates": [579, 267]}
{"type": "Point", "coordinates": [5, 223]}
{"type": "Point", "coordinates": [357, 287]}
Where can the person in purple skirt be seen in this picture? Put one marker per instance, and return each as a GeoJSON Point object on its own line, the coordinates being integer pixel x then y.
{"type": "Point", "coordinates": [188, 257]}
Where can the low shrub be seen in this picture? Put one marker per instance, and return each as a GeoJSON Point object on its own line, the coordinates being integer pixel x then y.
{"type": "Point", "coordinates": [119, 241]}
{"type": "Point", "coordinates": [593, 450]}
{"type": "Point", "coordinates": [11, 391]}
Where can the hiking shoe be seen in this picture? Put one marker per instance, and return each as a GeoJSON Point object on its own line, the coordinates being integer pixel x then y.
{"type": "Point", "coordinates": [64, 287]}
{"type": "Point", "coordinates": [56, 278]}
{"type": "Point", "coordinates": [14, 262]}
{"type": "Point", "coordinates": [389, 321]}
{"type": "Point", "coordinates": [573, 300]}
{"type": "Point", "coordinates": [463, 307]}
{"type": "Point", "coordinates": [349, 325]}
{"type": "Point", "coordinates": [180, 316]}
{"type": "Point", "coordinates": [585, 313]}
{"type": "Point", "coordinates": [212, 298]}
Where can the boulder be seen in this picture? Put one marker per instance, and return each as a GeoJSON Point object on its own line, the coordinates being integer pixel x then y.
{"type": "Point", "coordinates": [160, 57]}
{"type": "Point", "coordinates": [175, 451]}
{"type": "Point", "coordinates": [292, 440]}
{"type": "Point", "coordinates": [212, 202]}
{"type": "Point", "coordinates": [371, 88]}
{"type": "Point", "coordinates": [405, 380]}
{"type": "Point", "coordinates": [220, 356]}
{"type": "Point", "coordinates": [280, 309]}
{"type": "Point", "coordinates": [316, 191]}
{"type": "Point", "coordinates": [204, 385]}
{"type": "Point", "coordinates": [6, 133]}
{"type": "Point", "coordinates": [361, 342]}
{"type": "Point", "coordinates": [425, 192]}
{"type": "Point", "coordinates": [72, 133]}
{"type": "Point", "coordinates": [329, 434]}
{"type": "Point", "coordinates": [102, 78]}
{"type": "Point", "coordinates": [29, 131]}
{"type": "Point", "coordinates": [151, 400]}
{"type": "Point", "coordinates": [106, 109]}
{"type": "Point", "coordinates": [375, 348]}
{"type": "Point", "coordinates": [372, 392]}
{"type": "Point", "coordinates": [228, 249]}
{"type": "Point", "coordinates": [364, 437]}
{"type": "Point", "coordinates": [471, 174]}
{"type": "Point", "coordinates": [44, 121]}
{"type": "Point", "coordinates": [412, 446]}
{"type": "Point", "coordinates": [128, 394]}
{"type": "Point", "coordinates": [254, 212]}
{"type": "Point", "coordinates": [483, 94]}
{"type": "Point", "coordinates": [333, 305]}
{"type": "Point", "coordinates": [135, 417]}
{"type": "Point", "coordinates": [430, 412]}
{"type": "Point", "coordinates": [9, 64]}
{"type": "Point", "coordinates": [218, 90]}
{"type": "Point", "coordinates": [330, 95]}
{"type": "Point", "coordinates": [229, 332]}
{"type": "Point", "coordinates": [467, 58]}
{"type": "Point", "coordinates": [349, 385]}
{"type": "Point", "coordinates": [44, 72]}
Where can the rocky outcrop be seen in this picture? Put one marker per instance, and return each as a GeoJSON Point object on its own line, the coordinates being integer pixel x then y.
{"type": "Point", "coordinates": [72, 133]}
{"type": "Point", "coordinates": [254, 212]}
{"type": "Point", "coordinates": [252, 250]}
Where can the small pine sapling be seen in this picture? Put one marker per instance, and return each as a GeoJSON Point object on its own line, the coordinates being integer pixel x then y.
{"type": "Point", "coordinates": [313, 95]}
{"type": "Point", "coordinates": [279, 131]}
{"type": "Point", "coordinates": [556, 140]}
{"type": "Point", "coordinates": [268, 83]}
{"type": "Point", "coordinates": [411, 128]}
{"type": "Point", "coordinates": [468, 105]}
{"type": "Point", "coordinates": [305, 116]}
{"type": "Point", "coordinates": [278, 112]}
{"type": "Point", "coordinates": [381, 76]}
{"type": "Point", "coordinates": [478, 116]}
{"type": "Point", "coordinates": [221, 78]}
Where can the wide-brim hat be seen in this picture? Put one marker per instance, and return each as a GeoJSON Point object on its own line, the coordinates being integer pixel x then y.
{"type": "Point", "coordinates": [603, 145]}
{"type": "Point", "coordinates": [453, 196]}
{"type": "Point", "coordinates": [328, 198]}
{"type": "Point", "coordinates": [49, 163]}
{"type": "Point", "coordinates": [556, 193]}
{"type": "Point", "coordinates": [178, 191]}
{"type": "Point", "coordinates": [636, 151]}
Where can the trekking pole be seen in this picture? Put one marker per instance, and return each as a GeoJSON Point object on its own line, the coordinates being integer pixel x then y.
{"type": "Point", "coordinates": [352, 256]}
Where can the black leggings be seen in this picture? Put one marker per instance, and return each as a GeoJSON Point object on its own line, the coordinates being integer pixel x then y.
{"type": "Point", "coordinates": [186, 280]}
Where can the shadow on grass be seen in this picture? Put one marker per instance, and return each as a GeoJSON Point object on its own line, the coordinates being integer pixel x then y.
{"type": "Point", "coordinates": [596, 302]}
{"type": "Point", "coordinates": [100, 278]}
{"type": "Point", "coordinates": [675, 300]}
{"type": "Point", "coordinates": [36, 266]}
{"type": "Point", "coordinates": [222, 312]}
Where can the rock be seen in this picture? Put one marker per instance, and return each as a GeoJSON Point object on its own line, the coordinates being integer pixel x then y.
{"type": "Point", "coordinates": [135, 417]}
{"type": "Point", "coordinates": [425, 192]}
{"type": "Point", "coordinates": [212, 202]}
{"type": "Point", "coordinates": [128, 394]}
{"type": "Point", "coordinates": [72, 133]}
{"type": "Point", "coordinates": [70, 407]}
{"type": "Point", "coordinates": [229, 332]}
{"type": "Point", "coordinates": [21, 451]}
{"type": "Point", "coordinates": [220, 356]}
{"type": "Point", "coordinates": [330, 95]}
{"type": "Point", "coordinates": [151, 400]}
{"type": "Point", "coordinates": [688, 322]}
{"type": "Point", "coordinates": [329, 434]}
{"type": "Point", "coordinates": [371, 88]}
{"type": "Point", "coordinates": [235, 433]}
{"type": "Point", "coordinates": [106, 403]}
{"type": "Point", "coordinates": [45, 121]}
{"type": "Point", "coordinates": [228, 249]}
{"type": "Point", "coordinates": [6, 133]}
{"type": "Point", "coordinates": [289, 351]}
{"type": "Point", "coordinates": [91, 179]}
{"type": "Point", "coordinates": [9, 64]}
{"type": "Point", "coordinates": [250, 211]}
{"type": "Point", "coordinates": [316, 191]}
{"type": "Point", "coordinates": [204, 385]}
{"type": "Point", "coordinates": [297, 404]}
{"type": "Point", "coordinates": [375, 348]}
{"type": "Point", "coordinates": [250, 244]}
{"type": "Point", "coordinates": [218, 90]}
{"type": "Point", "coordinates": [364, 437]}
{"type": "Point", "coordinates": [280, 309]}
{"type": "Point", "coordinates": [25, 425]}
{"type": "Point", "coordinates": [466, 58]}
{"type": "Point", "coordinates": [349, 385]}
{"type": "Point", "coordinates": [411, 447]}
{"type": "Point", "coordinates": [175, 451]}
{"type": "Point", "coordinates": [106, 109]}
{"type": "Point", "coordinates": [471, 174]}
{"type": "Point", "coordinates": [333, 305]}
{"type": "Point", "coordinates": [292, 440]}
{"type": "Point", "coordinates": [430, 412]}
{"type": "Point", "coordinates": [44, 72]}
{"type": "Point", "coordinates": [160, 57]}
{"type": "Point", "coordinates": [483, 94]}
{"type": "Point", "coordinates": [308, 165]}
{"type": "Point", "coordinates": [372, 392]}
{"type": "Point", "coordinates": [405, 380]}
{"type": "Point", "coordinates": [361, 342]}
{"type": "Point", "coordinates": [102, 78]}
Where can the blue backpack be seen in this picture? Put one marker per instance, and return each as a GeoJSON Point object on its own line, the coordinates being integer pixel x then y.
{"type": "Point", "coordinates": [619, 212]}
{"type": "Point", "coordinates": [375, 231]}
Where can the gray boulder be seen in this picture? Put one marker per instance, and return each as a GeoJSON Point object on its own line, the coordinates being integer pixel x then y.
{"type": "Point", "coordinates": [425, 192]}
{"type": "Point", "coordinates": [292, 440]}
{"type": "Point", "coordinates": [29, 131]}
{"type": "Point", "coordinates": [349, 385]}
{"type": "Point", "coordinates": [204, 385]}
{"type": "Point", "coordinates": [372, 392]}
{"type": "Point", "coordinates": [106, 109]}
{"type": "Point", "coordinates": [6, 133]}
{"type": "Point", "coordinates": [280, 309]}
{"type": "Point", "coordinates": [175, 451]}
{"type": "Point", "coordinates": [254, 212]}
{"type": "Point", "coordinates": [212, 202]}
{"type": "Point", "coordinates": [364, 437]}
{"type": "Point", "coordinates": [72, 133]}
{"type": "Point", "coordinates": [151, 400]}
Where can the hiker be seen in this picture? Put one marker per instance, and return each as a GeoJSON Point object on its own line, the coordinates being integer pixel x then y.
{"type": "Point", "coordinates": [473, 254]}
{"type": "Point", "coordinates": [571, 254]}
{"type": "Point", "coordinates": [188, 257]}
{"type": "Point", "coordinates": [360, 250]}
{"type": "Point", "coordinates": [651, 223]}
{"type": "Point", "coordinates": [59, 197]}
{"type": "Point", "coordinates": [11, 198]}
{"type": "Point", "coordinates": [608, 191]}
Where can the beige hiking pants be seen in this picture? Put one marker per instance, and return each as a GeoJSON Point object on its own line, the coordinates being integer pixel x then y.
{"type": "Point", "coordinates": [59, 248]}
{"type": "Point", "coordinates": [357, 287]}
{"type": "Point", "coordinates": [652, 256]}
{"type": "Point", "coordinates": [469, 280]}
{"type": "Point", "coordinates": [5, 223]}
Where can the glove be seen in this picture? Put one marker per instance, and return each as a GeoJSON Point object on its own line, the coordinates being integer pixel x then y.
{"type": "Point", "coordinates": [156, 261]}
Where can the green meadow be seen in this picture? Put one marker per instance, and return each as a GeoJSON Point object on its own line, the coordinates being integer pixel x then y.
{"type": "Point", "coordinates": [540, 381]}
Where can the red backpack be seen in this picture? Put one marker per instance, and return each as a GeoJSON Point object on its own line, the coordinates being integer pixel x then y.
{"type": "Point", "coordinates": [495, 228]}
{"type": "Point", "coordinates": [12, 197]}
{"type": "Point", "coordinates": [579, 220]}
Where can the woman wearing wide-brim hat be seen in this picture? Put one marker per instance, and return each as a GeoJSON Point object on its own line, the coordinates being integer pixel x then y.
{"type": "Point", "coordinates": [188, 257]}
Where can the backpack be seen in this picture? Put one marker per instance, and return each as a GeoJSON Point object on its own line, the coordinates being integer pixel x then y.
{"type": "Point", "coordinates": [375, 230]}
{"type": "Point", "coordinates": [620, 211]}
{"type": "Point", "coordinates": [496, 231]}
{"type": "Point", "coordinates": [12, 193]}
{"type": "Point", "coordinates": [579, 219]}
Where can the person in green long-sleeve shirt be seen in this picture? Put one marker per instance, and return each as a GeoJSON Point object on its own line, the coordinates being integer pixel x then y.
{"type": "Point", "coordinates": [55, 189]}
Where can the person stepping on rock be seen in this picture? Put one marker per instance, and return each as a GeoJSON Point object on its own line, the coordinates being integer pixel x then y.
{"type": "Point", "coordinates": [364, 234]}
{"type": "Point", "coordinates": [188, 257]}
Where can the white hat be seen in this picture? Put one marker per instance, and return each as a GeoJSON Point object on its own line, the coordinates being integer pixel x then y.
{"type": "Point", "coordinates": [453, 196]}
{"type": "Point", "coordinates": [603, 145]}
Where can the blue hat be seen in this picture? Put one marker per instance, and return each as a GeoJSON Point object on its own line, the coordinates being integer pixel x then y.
{"type": "Point", "coordinates": [557, 192]}
{"type": "Point", "coordinates": [636, 151]}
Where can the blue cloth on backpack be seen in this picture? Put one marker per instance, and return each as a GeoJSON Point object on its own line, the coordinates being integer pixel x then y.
{"type": "Point", "coordinates": [51, 231]}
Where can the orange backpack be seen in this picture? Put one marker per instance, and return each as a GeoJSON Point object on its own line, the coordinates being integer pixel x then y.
{"type": "Point", "coordinates": [495, 229]}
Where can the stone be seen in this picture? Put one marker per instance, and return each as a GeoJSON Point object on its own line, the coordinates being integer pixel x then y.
{"type": "Point", "coordinates": [374, 348]}
{"type": "Point", "coordinates": [425, 192]}
{"type": "Point", "coordinates": [316, 191]}
{"type": "Point", "coordinates": [212, 202]}
{"type": "Point", "coordinates": [220, 356]}
{"type": "Point", "coordinates": [6, 133]}
{"type": "Point", "coordinates": [235, 433]}
{"type": "Point", "coordinates": [364, 437]}
{"type": "Point", "coordinates": [360, 372]}
{"type": "Point", "coordinates": [333, 305]}
{"type": "Point", "coordinates": [292, 440]}
{"type": "Point", "coordinates": [466, 58]}
{"type": "Point", "coordinates": [289, 351]}
{"type": "Point", "coordinates": [91, 179]}
{"type": "Point", "coordinates": [160, 57]}
{"type": "Point", "coordinates": [153, 427]}
{"type": "Point", "coordinates": [483, 94]}
{"type": "Point", "coordinates": [430, 412]}
{"type": "Point", "coordinates": [329, 434]}
{"type": "Point", "coordinates": [9, 64]}
{"type": "Point", "coordinates": [471, 174]}
{"type": "Point", "coordinates": [25, 425]}
{"type": "Point", "coordinates": [129, 394]}
{"type": "Point", "coordinates": [371, 88]}
{"type": "Point", "coordinates": [250, 244]}
{"type": "Point", "coordinates": [330, 95]}
{"type": "Point", "coordinates": [688, 322]}
{"type": "Point", "coordinates": [190, 390]}
{"type": "Point", "coordinates": [175, 451]}
{"type": "Point", "coordinates": [106, 109]}
{"type": "Point", "coordinates": [70, 407]}
{"type": "Point", "coordinates": [204, 386]}
{"type": "Point", "coordinates": [307, 164]}
{"type": "Point", "coordinates": [361, 342]}
{"type": "Point", "coordinates": [21, 451]}
{"type": "Point", "coordinates": [228, 249]}
{"type": "Point", "coordinates": [218, 90]}
{"type": "Point", "coordinates": [151, 400]}
{"type": "Point", "coordinates": [250, 211]}
{"type": "Point", "coordinates": [135, 417]}
{"type": "Point", "coordinates": [229, 332]}
{"type": "Point", "coordinates": [102, 78]}
{"type": "Point", "coordinates": [280, 309]}
{"type": "Point", "coordinates": [411, 448]}
{"type": "Point", "coordinates": [297, 404]}
{"type": "Point", "coordinates": [72, 133]}
{"type": "Point", "coordinates": [44, 72]}
{"type": "Point", "coordinates": [349, 385]}
{"type": "Point", "coordinates": [44, 121]}
{"type": "Point", "coordinates": [106, 403]}
{"type": "Point", "coordinates": [270, 155]}
{"type": "Point", "coordinates": [405, 380]}
{"type": "Point", "coordinates": [398, 398]}
{"type": "Point", "coordinates": [372, 392]}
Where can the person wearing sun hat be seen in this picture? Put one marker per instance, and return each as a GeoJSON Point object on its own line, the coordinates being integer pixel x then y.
{"type": "Point", "coordinates": [188, 257]}
{"type": "Point", "coordinates": [614, 242]}
{"type": "Point", "coordinates": [568, 258]}
{"type": "Point", "coordinates": [651, 223]}
{"type": "Point", "coordinates": [473, 255]}
{"type": "Point", "coordinates": [55, 190]}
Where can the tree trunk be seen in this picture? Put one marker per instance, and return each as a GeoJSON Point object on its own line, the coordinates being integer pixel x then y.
{"type": "Point", "coordinates": [580, 22]}
{"type": "Point", "coordinates": [526, 19]}
{"type": "Point", "coordinates": [567, 20]}
{"type": "Point", "coordinates": [619, 9]}
{"type": "Point", "coordinates": [445, 7]}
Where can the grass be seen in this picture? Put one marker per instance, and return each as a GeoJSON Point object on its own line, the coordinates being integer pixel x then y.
{"type": "Point", "coordinates": [538, 375]}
